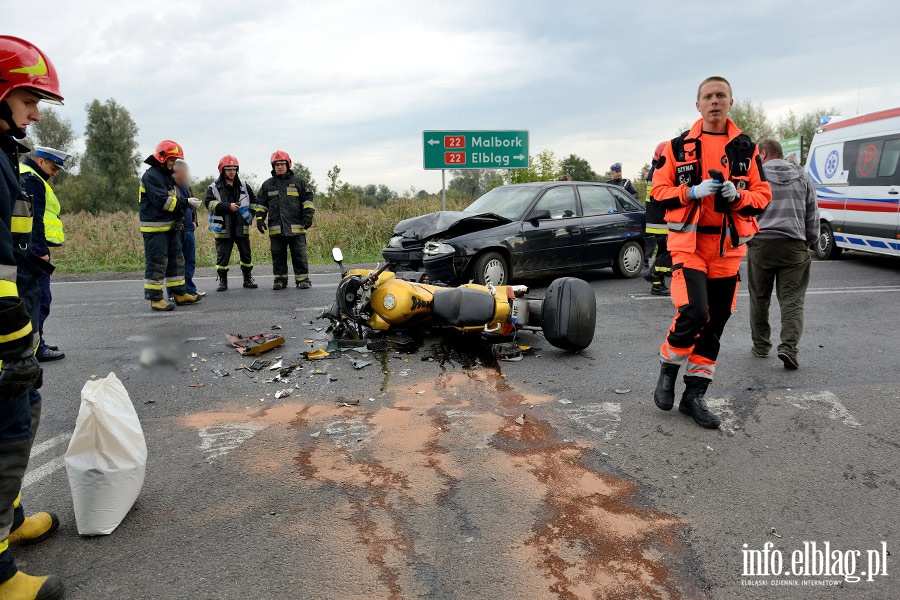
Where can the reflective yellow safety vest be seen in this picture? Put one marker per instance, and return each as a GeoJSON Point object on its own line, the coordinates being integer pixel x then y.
{"type": "Point", "coordinates": [53, 227]}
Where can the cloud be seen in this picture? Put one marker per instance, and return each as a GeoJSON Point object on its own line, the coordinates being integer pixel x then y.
{"type": "Point", "coordinates": [354, 83]}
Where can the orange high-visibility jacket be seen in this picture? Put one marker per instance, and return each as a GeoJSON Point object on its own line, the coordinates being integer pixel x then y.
{"type": "Point", "coordinates": [685, 162]}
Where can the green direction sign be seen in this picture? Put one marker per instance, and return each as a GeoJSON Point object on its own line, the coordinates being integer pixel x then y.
{"type": "Point", "coordinates": [475, 149]}
{"type": "Point", "coordinates": [791, 148]}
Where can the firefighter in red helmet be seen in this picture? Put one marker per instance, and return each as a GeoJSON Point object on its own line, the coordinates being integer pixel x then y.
{"type": "Point", "coordinates": [229, 202]}
{"type": "Point", "coordinates": [162, 218]}
{"type": "Point", "coordinates": [286, 202]}
{"type": "Point", "coordinates": [27, 76]}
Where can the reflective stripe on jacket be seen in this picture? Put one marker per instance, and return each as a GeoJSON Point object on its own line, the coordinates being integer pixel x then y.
{"type": "Point", "coordinates": [53, 226]}
{"type": "Point", "coordinates": [160, 207]}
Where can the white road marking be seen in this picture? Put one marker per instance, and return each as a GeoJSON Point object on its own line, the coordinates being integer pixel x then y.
{"type": "Point", "coordinates": [602, 418]}
{"type": "Point", "coordinates": [836, 410]}
{"type": "Point", "coordinates": [45, 470]}
{"type": "Point", "coordinates": [722, 408]}
{"type": "Point", "coordinates": [39, 449]}
{"type": "Point", "coordinates": [219, 440]}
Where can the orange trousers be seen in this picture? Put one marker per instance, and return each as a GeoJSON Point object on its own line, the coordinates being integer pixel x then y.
{"type": "Point", "coordinates": [704, 291]}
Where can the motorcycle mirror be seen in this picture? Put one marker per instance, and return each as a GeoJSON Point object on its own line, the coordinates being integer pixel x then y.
{"type": "Point", "coordinates": [337, 255]}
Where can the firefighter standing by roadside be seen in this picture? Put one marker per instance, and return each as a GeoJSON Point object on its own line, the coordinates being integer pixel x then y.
{"type": "Point", "coordinates": [47, 228]}
{"type": "Point", "coordinates": [161, 213]}
{"type": "Point", "coordinates": [26, 77]}
{"type": "Point", "coordinates": [710, 221]}
{"type": "Point", "coordinates": [228, 200]}
{"type": "Point", "coordinates": [288, 203]}
{"type": "Point", "coordinates": [657, 232]}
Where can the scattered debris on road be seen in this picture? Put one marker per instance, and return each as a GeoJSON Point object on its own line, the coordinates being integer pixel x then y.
{"type": "Point", "coordinates": [255, 344]}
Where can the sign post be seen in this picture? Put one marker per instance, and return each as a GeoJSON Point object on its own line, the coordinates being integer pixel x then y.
{"type": "Point", "coordinates": [503, 149]}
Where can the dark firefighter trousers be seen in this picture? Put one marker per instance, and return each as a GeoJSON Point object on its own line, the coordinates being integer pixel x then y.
{"type": "Point", "coordinates": [20, 416]}
{"type": "Point", "coordinates": [224, 248]}
{"type": "Point", "coordinates": [164, 263]}
{"type": "Point", "coordinates": [297, 246]}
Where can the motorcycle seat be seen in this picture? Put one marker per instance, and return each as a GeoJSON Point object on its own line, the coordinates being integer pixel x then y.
{"type": "Point", "coordinates": [463, 307]}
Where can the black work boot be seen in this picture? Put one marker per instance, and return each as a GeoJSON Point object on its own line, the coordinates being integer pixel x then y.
{"type": "Point", "coordinates": [693, 404]}
{"type": "Point", "coordinates": [659, 289]}
{"type": "Point", "coordinates": [248, 281]}
{"type": "Point", "coordinates": [664, 395]}
{"type": "Point", "coordinates": [223, 281]}
{"type": "Point", "coordinates": [280, 283]}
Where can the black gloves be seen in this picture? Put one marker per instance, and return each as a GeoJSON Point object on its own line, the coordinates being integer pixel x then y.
{"type": "Point", "coordinates": [261, 225]}
{"type": "Point", "coordinates": [307, 223]}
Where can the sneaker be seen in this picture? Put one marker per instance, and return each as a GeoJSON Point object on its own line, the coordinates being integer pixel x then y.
{"type": "Point", "coordinates": [790, 362]}
{"type": "Point", "coordinates": [49, 355]}
{"type": "Point", "coordinates": [760, 353]}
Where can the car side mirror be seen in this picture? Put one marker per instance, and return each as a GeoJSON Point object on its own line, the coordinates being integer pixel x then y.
{"type": "Point", "coordinates": [337, 255]}
{"type": "Point", "coordinates": [539, 215]}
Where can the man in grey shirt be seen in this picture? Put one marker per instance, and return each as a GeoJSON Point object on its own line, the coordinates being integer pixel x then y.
{"type": "Point", "coordinates": [779, 254]}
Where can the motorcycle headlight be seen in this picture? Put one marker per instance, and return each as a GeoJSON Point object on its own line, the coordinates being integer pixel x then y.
{"type": "Point", "coordinates": [438, 248]}
{"type": "Point", "coordinates": [394, 242]}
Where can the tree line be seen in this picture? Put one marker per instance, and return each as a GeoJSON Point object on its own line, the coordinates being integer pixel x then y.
{"type": "Point", "coordinates": [105, 177]}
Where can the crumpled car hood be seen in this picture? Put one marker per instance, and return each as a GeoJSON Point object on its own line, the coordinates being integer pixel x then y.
{"type": "Point", "coordinates": [446, 222]}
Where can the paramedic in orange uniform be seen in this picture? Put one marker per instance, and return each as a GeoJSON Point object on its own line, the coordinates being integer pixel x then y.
{"type": "Point", "coordinates": [710, 221]}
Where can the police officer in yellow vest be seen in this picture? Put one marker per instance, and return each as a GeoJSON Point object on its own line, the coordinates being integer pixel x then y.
{"type": "Point", "coordinates": [47, 228]}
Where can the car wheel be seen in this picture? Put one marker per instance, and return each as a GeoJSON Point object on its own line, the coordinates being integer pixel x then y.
{"type": "Point", "coordinates": [630, 260]}
{"type": "Point", "coordinates": [825, 246]}
{"type": "Point", "coordinates": [490, 268]}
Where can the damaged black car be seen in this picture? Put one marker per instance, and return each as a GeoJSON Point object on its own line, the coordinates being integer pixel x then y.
{"type": "Point", "coordinates": [525, 230]}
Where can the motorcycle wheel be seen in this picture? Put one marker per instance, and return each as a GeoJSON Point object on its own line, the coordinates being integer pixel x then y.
{"type": "Point", "coordinates": [569, 314]}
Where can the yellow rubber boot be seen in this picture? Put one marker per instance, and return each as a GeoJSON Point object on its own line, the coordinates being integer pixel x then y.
{"type": "Point", "coordinates": [25, 587]}
{"type": "Point", "coordinates": [161, 304]}
{"type": "Point", "coordinates": [36, 528]}
{"type": "Point", "coordinates": [186, 299]}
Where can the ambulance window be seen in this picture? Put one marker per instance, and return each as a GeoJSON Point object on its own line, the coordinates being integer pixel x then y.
{"type": "Point", "coordinates": [890, 155]}
{"type": "Point", "coordinates": [867, 158]}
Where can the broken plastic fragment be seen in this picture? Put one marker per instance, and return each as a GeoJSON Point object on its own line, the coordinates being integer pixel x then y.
{"type": "Point", "coordinates": [565, 401]}
{"type": "Point", "coordinates": [282, 394]}
{"type": "Point", "coordinates": [196, 385]}
{"type": "Point", "coordinates": [623, 391]}
{"type": "Point", "coordinates": [220, 372]}
{"type": "Point", "coordinates": [344, 402]}
{"type": "Point", "coordinates": [316, 354]}
{"type": "Point", "coordinates": [520, 420]}
{"type": "Point", "coordinates": [276, 365]}
{"type": "Point", "coordinates": [359, 363]}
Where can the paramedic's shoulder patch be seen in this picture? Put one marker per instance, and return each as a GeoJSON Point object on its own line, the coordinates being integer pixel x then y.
{"type": "Point", "coordinates": [684, 174]}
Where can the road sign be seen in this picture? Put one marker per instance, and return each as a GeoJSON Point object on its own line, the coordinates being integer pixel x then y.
{"type": "Point", "coordinates": [475, 149]}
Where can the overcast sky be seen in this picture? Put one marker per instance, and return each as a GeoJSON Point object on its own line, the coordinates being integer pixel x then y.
{"type": "Point", "coordinates": [354, 83]}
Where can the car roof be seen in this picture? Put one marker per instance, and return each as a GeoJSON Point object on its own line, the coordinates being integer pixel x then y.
{"type": "Point", "coordinates": [543, 184]}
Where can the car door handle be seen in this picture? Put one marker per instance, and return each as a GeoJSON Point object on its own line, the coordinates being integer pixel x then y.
{"type": "Point", "coordinates": [893, 191]}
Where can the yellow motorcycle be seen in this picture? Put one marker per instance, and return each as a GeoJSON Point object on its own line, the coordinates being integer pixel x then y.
{"type": "Point", "coordinates": [382, 301]}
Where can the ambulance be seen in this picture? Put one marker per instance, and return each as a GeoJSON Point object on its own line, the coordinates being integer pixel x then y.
{"type": "Point", "coordinates": [855, 165]}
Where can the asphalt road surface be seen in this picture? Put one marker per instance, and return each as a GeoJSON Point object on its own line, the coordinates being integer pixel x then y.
{"type": "Point", "coordinates": [410, 477]}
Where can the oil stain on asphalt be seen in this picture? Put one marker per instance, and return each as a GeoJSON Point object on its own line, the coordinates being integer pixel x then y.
{"type": "Point", "coordinates": [442, 489]}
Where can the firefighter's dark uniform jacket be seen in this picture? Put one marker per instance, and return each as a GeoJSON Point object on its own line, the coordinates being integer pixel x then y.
{"type": "Point", "coordinates": [219, 196]}
{"type": "Point", "coordinates": [287, 202]}
{"type": "Point", "coordinates": [684, 163]}
{"type": "Point", "coordinates": [16, 331]}
{"type": "Point", "coordinates": [656, 214]}
{"type": "Point", "coordinates": [160, 206]}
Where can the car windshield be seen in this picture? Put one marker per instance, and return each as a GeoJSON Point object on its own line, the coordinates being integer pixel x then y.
{"type": "Point", "coordinates": [509, 201]}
